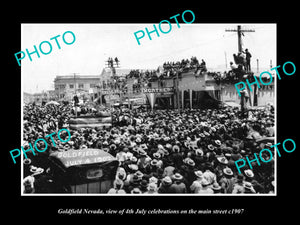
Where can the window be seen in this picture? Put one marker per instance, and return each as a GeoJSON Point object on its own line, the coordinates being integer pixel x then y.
{"type": "Point", "coordinates": [61, 86]}
{"type": "Point", "coordinates": [92, 85]}
{"type": "Point", "coordinates": [71, 86]}
{"type": "Point", "coordinates": [80, 86]}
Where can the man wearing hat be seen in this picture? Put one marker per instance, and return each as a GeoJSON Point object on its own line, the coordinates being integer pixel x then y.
{"type": "Point", "coordinates": [144, 186]}
{"type": "Point", "coordinates": [133, 183]}
{"type": "Point", "coordinates": [152, 189]}
{"type": "Point", "coordinates": [169, 170]}
{"type": "Point", "coordinates": [216, 188]}
{"type": "Point", "coordinates": [205, 189]}
{"type": "Point", "coordinates": [178, 186]}
{"type": "Point", "coordinates": [136, 191]}
{"type": "Point", "coordinates": [249, 177]}
{"type": "Point", "coordinates": [121, 155]}
{"type": "Point", "coordinates": [144, 160]}
{"type": "Point", "coordinates": [210, 176]}
{"type": "Point", "coordinates": [227, 181]}
{"type": "Point", "coordinates": [165, 186]}
{"type": "Point", "coordinates": [117, 189]}
{"type": "Point", "coordinates": [176, 156]}
{"type": "Point", "coordinates": [238, 187]}
{"type": "Point", "coordinates": [196, 185]}
{"type": "Point", "coordinates": [249, 188]}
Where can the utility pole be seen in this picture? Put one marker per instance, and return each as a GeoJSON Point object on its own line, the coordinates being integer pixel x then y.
{"type": "Point", "coordinates": [75, 94]}
{"type": "Point", "coordinates": [176, 85]}
{"type": "Point", "coordinates": [112, 64]}
{"type": "Point", "coordinates": [240, 32]}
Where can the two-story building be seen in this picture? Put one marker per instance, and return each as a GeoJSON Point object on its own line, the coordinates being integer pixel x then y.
{"type": "Point", "coordinates": [69, 85]}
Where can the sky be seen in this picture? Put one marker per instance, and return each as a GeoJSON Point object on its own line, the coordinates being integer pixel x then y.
{"type": "Point", "coordinates": [94, 43]}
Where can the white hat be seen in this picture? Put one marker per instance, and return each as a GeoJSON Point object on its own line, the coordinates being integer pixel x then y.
{"type": "Point", "coordinates": [249, 173]}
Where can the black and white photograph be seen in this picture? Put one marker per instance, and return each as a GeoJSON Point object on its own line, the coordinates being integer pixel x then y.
{"type": "Point", "coordinates": [140, 111]}
{"type": "Point", "coordinates": [131, 109]}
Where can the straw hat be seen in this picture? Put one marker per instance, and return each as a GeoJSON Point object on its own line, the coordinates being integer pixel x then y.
{"type": "Point", "coordinates": [199, 173]}
{"type": "Point", "coordinates": [211, 147]}
{"type": "Point", "coordinates": [249, 173]}
{"type": "Point", "coordinates": [222, 160]}
{"type": "Point", "coordinates": [136, 191]}
{"type": "Point", "coordinates": [227, 171]}
{"type": "Point", "coordinates": [176, 148]}
{"type": "Point", "coordinates": [156, 155]}
{"type": "Point", "coordinates": [177, 176]}
{"type": "Point", "coordinates": [218, 142]}
{"type": "Point", "coordinates": [133, 167]}
{"type": "Point", "coordinates": [199, 152]}
{"type": "Point", "coordinates": [167, 180]}
{"type": "Point", "coordinates": [216, 187]}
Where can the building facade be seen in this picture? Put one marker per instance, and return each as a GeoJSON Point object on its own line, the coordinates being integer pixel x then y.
{"type": "Point", "coordinates": [81, 85]}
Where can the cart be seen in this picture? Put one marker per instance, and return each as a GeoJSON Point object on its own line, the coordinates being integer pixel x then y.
{"type": "Point", "coordinates": [83, 171]}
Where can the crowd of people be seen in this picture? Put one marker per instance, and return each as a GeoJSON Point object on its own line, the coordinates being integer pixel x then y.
{"type": "Point", "coordinates": [164, 151]}
{"type": "Point", "coordinates": [240, 69]}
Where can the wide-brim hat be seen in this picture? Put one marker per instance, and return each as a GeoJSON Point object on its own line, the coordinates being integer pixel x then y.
{"type": "Point", "coordinates": [166, 152]}
{"type": "Point", "coordinates": [249, 173]}
{"type": "Point", "coordinates": [133, 167]}
{"type": "Point", "coordinates": [156, 155]}
{"type": "Point", "coordinates": [216, 187]}
{"type": "Point", "coordinates": [119, 183]}
{"type": "Point", "coordinates": [177, 176]}
{"type": "Point", "coordinates": [210, 147]}
{"type": "Point", "coordinates": [248, 185]}
{"type": "Point", "coordinates": [167, 180]}
{"type": "Point", "coordinates": [199, 152]}
{"type": "Point", "coordinates": [36, 171]}
{"type": "Point", "coordinates": [136, 191]}
{"type": "Point", "coordinates": [133, 159]}
{"type": "Point", "coordinates": [83, 147]}
{"type": "Point", "coordinates": [176, 148]}
{"type": "Point", "coordinates": [143, 146]}
{"type": "Point", "coordinates": [135, 149]}
{"type": "Point", "coordinates": [198, 173]}
{"type": "Point", "coordinates": [27, 161]}
{"type": "Point", "coordinates": [142, 152]}
{"type": "Point", "coordinates": [202, 135]}
{"type": "Point", "coordinates": [218, 142]}
{"type": "Point", "coordinates": [152, 187]}
{"type": "Point", "coordinates": [168, 146]}
{"type": "Point", "coordinates": [213, 129]}
{"type": "Point", "coordinates": [191, 162]}
{"type": "Point", "coordinates": [160, 147]}
{"type": "Point", "coordinates": [222, 160]}
{"type": "Point", "coordinates": [227, 171]}
{"type": "Point", "coordinates": [105, 149]}
{"type": "Point", "coordinates": [153, 180]}
{"type": "Point", "coordinates": [206, 133]}
{"type": "Point", "coordinates": [154, 162]}
{"type": "Point", "coordinates": [186, 144]}
{"type": "Point", "coordinates": [113, 146]}
{"type": "Point", "coordinates": [139, 174]}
